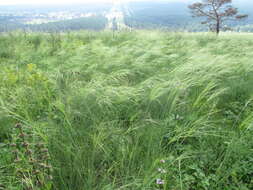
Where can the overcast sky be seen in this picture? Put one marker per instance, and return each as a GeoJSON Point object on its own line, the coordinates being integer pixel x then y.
{"type": "Point", "coordinates": [16, 2]}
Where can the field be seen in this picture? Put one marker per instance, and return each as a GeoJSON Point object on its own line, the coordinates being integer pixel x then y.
{"type": "Point", "coordinates": [145, 110]}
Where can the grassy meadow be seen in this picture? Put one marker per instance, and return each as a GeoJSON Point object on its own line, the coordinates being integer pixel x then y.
{"type": "Point", "coordinates": [145, 110]}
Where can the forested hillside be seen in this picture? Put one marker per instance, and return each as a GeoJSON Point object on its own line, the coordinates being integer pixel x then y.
{"type": "Point", "coordinates": [176, 16]}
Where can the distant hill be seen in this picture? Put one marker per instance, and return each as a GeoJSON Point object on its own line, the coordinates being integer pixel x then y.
{"type": "Point", "coordinates": [173, 15]}
{"type": "Point", "coordinates": [158, 14]}
{"type": "Point", "coordinates": [148, 14]}
{"type": "Point", "coordinates": [91, 23]}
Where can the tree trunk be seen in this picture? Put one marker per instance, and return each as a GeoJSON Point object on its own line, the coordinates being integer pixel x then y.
{"type": "Point", "coordinates": [218, 27]}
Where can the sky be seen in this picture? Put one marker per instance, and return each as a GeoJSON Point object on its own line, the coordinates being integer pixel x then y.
{"type": "Point", "coordinates": [18, 2]}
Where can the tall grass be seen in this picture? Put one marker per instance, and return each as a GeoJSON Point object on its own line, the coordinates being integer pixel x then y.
{"type": "Point", "coordinates": [110, 108]}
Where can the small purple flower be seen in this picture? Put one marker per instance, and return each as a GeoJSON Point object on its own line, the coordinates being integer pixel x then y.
{"type": "Point", "coordinates": [163, 171]}
{"type": "Point", "coordinates": [162, 161]}
{"type": "Point", "coordinates": [159, 182]}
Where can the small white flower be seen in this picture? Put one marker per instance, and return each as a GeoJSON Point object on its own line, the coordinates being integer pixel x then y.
{"type": "Point", "coordinates": [163, 171]}
{"type": "Point", "coordinates": [162, 161]}
{"type": "Point", "coordinates": [160, 181]}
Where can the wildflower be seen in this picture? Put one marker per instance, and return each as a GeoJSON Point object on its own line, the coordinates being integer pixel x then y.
{"type": "Point", "coordinates": [163, 171]}
{"type": "Point", "coordinates": [159, 182]}
{"type": "Point", "coordinates": [162, 161]}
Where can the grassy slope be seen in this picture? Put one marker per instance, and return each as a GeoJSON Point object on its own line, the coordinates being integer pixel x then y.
{"type": "Point", "coordinates": [110, 108]}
